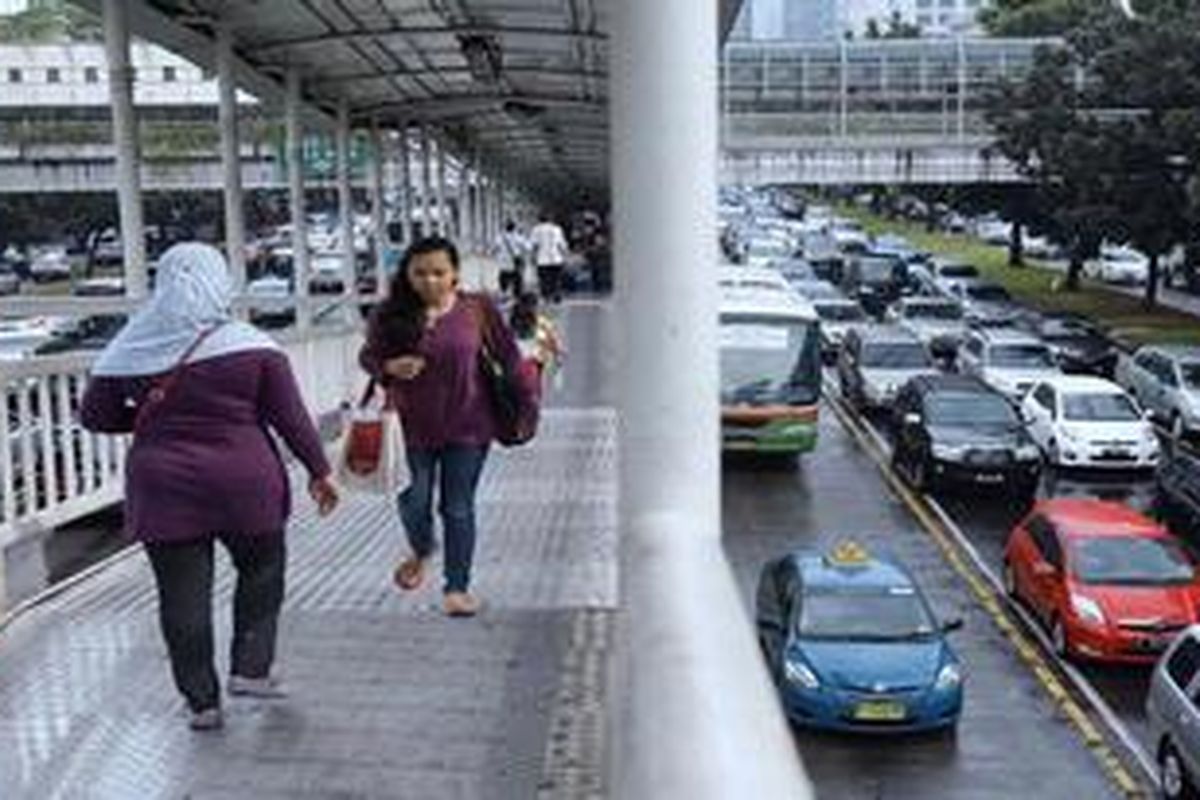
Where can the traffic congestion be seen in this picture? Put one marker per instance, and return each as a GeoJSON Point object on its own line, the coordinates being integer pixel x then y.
{"type": "Point", "coordinates": [1057, 463]}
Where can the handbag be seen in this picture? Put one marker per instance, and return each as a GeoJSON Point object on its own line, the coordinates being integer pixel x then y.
{"type": "Point", "coordinates": [514, 407]}
{"type": "Point", "coordinates": [373, 457]}
{"type": "Point", "coordinates": [161, 388]}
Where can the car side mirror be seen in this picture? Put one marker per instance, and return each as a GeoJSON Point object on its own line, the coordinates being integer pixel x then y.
{"type": "Point", "coordinates": [952, 625]}
{"type": "Point", "coordinates": [1147, 415]}
{"type": "Point", "coordinates": [912, 419]}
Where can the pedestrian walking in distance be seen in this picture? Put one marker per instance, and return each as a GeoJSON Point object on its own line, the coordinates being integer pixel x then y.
{"type": "Point", "coordinates": [201, 392]}
{"type": "Point", "coordinates": [550, 252]}
{"type": "Point", "coordinates": [424, 344]}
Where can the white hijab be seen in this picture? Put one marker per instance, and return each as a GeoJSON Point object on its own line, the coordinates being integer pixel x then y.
{"type": "Point", "coordinates": [193, 293]}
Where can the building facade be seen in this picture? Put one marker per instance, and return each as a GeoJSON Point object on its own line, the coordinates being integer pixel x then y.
{"type": "Point", "coordinates": [809, 20]}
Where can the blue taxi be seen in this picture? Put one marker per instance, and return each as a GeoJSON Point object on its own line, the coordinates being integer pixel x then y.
{"type": "Point", "coordinates": [853, 645]}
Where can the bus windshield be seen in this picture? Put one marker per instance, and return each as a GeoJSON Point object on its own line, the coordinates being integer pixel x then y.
{"type": "Point", "coordinates": [769, 362]}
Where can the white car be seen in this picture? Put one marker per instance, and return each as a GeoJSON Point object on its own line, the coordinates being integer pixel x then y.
{"type": "Point", "coordinates": [1009, 361]}
{"type": "Point", "coordinates": [1122, 265]}
{"type": "Point", "coordinates": [1165, 380]}
{"type": "Point", "coordinates": [994, 231]}
{"type": "Point", "coordinates": [938, 322]}
{"type": "Point", "coordinates": [50, 264]}
{"type": "Point", "coordinates": [1082, 421]}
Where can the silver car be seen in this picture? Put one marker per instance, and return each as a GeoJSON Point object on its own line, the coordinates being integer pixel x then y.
{"type": "Point", "coordinates": [875, 361]}
{"type": "Point", "coordinates": [1166, 381]}
{"type": "Point", "coordinates": [1173, 715]}
{"type": "Point", "coordinates": [938, 322]}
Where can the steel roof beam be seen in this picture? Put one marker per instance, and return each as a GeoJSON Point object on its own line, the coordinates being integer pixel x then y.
{"type": "Point", "coordinates": [447, 30]}
{"type": "Point", "coordinates": [414, 73]}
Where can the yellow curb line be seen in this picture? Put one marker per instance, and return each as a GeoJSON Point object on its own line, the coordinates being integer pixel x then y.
{"type": "Point", "coordinates": [1028, 651]}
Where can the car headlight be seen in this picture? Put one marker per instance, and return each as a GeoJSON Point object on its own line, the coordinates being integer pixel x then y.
{"type": "Point", "coordinates": [1028, 452]}
{"type": "Point", "coordinates": [1087, 609]}
{"type": "Point", "coordinates": [946, 452]}
{"type": "Point", "coordinates": [1069, 435]}
{"type": "Point", "coordinates": [798, 672]}
{"type": "Point", "coordinates": [950, 677]}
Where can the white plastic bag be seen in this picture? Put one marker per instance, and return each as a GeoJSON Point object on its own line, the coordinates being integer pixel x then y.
{"type": "Point", "coordinates": [372, 457]}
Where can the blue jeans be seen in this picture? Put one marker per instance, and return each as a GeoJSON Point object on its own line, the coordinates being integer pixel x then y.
{"type": "Point", "coordinates": [458, 467]}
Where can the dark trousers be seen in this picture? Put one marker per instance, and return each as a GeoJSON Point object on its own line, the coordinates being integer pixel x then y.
{"type": "Point", "coordinates": [457, 469]}
{"type": "Point", "coordinates": [550, 282]}
{"type": "Point", "coordinates": [184, 574]}
{"type": "Point", "coordinates": [512, 282]}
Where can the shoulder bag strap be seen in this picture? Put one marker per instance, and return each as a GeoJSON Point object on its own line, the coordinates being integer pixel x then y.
{"type": "Point", "coordinates": [162, 387]}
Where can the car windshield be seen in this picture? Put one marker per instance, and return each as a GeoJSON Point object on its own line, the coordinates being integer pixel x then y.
{"type": "Point", "coordinates": [767, 362]}
{"type": "Point", "coordinates": [1020, 356]}
{"type": "Point", "coordinates": [1191, 373]}
{"type": "Point", "coordinates": [958, 271]}
{"type": "Point", "coordinates": [988, 293]}
{"type": "Point", "coordinates": [1130, 561]}
{"type": "Point", "coordinates": [895, 355]}
{"type": "Point", "coordinates": [947, 311]}
{"type": "Point", "coordinates": [840, 312]}
{"type": "Point", "coordinates": [877, 614]}
{"type": "Point", "coordinates": [1099, 407]}
{"type": "Point", "coordinates": [876, 270]}
{"type": "Point", "coordinates": [967, 409]}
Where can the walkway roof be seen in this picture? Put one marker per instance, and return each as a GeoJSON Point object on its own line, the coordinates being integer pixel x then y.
{"type": "Point", "coordinates": [522, 82]}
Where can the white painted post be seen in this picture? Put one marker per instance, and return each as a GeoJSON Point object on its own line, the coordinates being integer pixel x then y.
{"type": "Point", "coordinates": [295, 159]}
{"type": "Point", "coordinates": [444, 226]}
{"type": "Point", "coordinates": [345, 200]}
{"type": "Point", "coordinates": [426, 182]}
{"type": "Point", "coordinates": [683, 615]}
{"type": "Point", "coordinates": [231, 158]}
{"type": "Point", "coordinates": [466, 230]}
{"type": "Point", "coordinates": [125, 138]}
{"type": "Point", "coordinates": [378, 213]}
{"type": "Point", "coordinates": [407, 178]}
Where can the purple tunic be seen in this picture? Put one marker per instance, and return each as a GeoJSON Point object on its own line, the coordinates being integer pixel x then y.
{"type": "Point", "coordinates": [204, 462]}
{"type": "Point", "coordinates": [448, 403]}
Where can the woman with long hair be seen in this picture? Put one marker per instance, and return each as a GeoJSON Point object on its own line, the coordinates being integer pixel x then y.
{"type": "Point", "coordinates": [424, 346]}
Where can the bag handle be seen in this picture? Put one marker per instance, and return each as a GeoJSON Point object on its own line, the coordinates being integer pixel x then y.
{"type": "Point", "coordinates": [162, 387]}
{"type": "Point", "coordinates": [368, 393]}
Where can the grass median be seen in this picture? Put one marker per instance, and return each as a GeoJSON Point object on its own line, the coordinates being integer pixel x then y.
{"type": "Point", "coordinates": [1123, 316]}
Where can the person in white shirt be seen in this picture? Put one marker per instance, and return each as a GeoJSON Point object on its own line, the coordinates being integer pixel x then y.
{"type": "Point", "coordinates": [512, 249]}
{"type": "Point", "coordinates": [550, 257]}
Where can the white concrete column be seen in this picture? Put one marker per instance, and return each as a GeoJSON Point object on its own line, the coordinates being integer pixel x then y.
{"type": "Point", "coordinates": [501, 203]}
{"type": "Point", "coordinates": [295, 163]}
{"type": "Point", "coordinates": [345, 199]}
{"type": "Point", "coordinates": [231, 158]}
{"type": "Point", "coordinates": [378, 213]}
{"type": "Point", "coordinates": [426, 182]}
{"type": "Point", "coordinates": [663, 61]}
{"type": "Point", "coordinates": [125, 139]}
{"type": "Point", "coordinates": [466, 232]}
{"type": "Point", "coordinates": [406, 177]}
{"type": "Point", "coordinates": [445, 228]}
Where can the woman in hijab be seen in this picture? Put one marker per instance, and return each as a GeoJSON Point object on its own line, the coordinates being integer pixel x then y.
{"type": "Point", "coordinates": [200, 392]}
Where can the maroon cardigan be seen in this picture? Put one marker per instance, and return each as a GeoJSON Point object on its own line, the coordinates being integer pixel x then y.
{"type": "Point", "coordinates": [204, 462]}
{"type": "Point", "coordinates": [448, 403]}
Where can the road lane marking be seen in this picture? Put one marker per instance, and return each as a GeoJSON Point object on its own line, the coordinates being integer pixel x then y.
{"type": "Point", "coordinates": [966, 561]}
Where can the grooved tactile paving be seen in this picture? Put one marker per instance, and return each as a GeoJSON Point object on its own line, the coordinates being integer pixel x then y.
{"type": "Point", "coordinates": [388, 698]}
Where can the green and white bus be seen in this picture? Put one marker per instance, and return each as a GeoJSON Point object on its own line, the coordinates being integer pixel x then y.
{"type": "Point", "coordinates": [770, 342]}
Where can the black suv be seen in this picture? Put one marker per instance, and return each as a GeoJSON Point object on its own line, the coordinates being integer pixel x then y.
{"type": "Point", "coordinates": [1078, 345]}
{"type": "Point", "coordinates": [954, 429]}
{"type": "Point", "coordinates": [1178, 492]}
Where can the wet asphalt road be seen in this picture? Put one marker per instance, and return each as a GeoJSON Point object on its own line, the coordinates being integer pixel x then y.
{"type": "Point", "coordinates": [1012, 741]}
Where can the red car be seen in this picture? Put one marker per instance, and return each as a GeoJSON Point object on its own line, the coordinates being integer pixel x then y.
{"type": "Point", "coordinates": [1109, 584]}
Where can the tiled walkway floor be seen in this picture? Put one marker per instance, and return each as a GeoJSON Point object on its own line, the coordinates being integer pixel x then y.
{"type": "Point", "coordinates": [388, 698]}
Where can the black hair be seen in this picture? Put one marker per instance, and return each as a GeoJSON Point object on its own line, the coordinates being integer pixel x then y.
{"type": "Point", "coordinates": [523, 317]}
{"type": "Point", "coordinates": [399, 317]}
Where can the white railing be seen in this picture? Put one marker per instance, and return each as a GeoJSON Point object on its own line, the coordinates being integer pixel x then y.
{"type": "Point", "coordinates": [52, 471]}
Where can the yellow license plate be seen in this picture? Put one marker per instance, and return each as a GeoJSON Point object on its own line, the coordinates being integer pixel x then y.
{"type": "Point", "coordinates": [882, 711]}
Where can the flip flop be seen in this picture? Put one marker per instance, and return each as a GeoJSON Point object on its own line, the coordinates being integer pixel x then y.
{"type": "Point", "coordinates": [410, 574]}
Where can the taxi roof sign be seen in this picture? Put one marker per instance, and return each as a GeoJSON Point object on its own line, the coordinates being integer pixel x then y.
{"type": "Point", "coordinates": [848, 554]}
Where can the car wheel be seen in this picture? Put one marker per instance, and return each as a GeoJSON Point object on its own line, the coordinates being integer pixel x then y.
{"type": "Point", "coordinates": [1058, 637]}
{"type": "Point", "coordinates": [1172, 775]}
{"type": "Point", "coordinates": [919, 474]}
{"type": "Point", "coordinates": [1009, 578]}
{"type": "Point", "coordinates": [1053, 456]}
